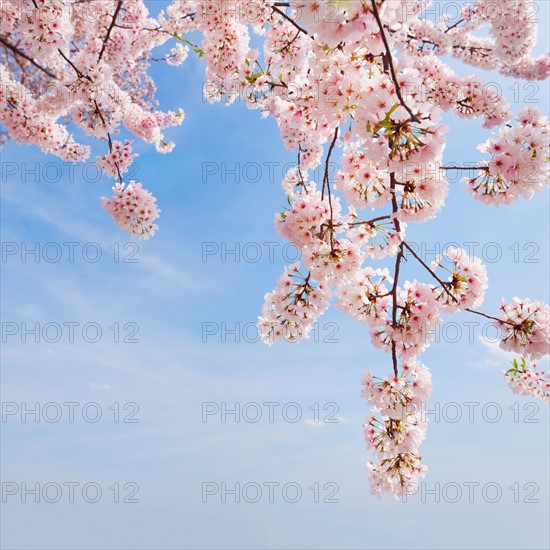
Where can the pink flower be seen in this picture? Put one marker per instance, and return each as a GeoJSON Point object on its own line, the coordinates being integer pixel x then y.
{"type": "Point", "coordinates": [467, 284]}
{"type": "Point", "coordinates": [133, 209]}
{"type": "Point", "coordinates": [525, 380]}
{"type": "Point", "coordinates": [118, 160]}
{"type": "Point", "coordinates": [290, 311]}
{"type": "Point", "coordinates": [525, 327]}
{"type": "Point", "coordinates": [519, 165]}
{"type": "Point", "coordinates": [396, 427]}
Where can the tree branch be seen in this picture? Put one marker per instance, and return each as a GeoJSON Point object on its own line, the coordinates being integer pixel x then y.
{"type": "Point", "coordinates": [434, 275]}
{"type": "Point", "coordinates": [389, 58]}
{"type": "Point", "coordinates": [326, 182]}
{"type": "Point", "coordinates": [109, 30]}
{"type": "Point", "coordinates": [398, 259]}
{"type": "Point", "coordinates": [289, 19]}
{"type": "Point", "coordinates": [372, 221]}
{"type": "Point", "coordinates": [486, 168]}
{"type": "Point", "coordinates": [22, 54]}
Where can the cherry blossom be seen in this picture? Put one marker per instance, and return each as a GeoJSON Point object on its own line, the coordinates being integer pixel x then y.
{"type": "Point", "coordinates": [396, 427]}
{"type": "Point", "coordinates": [118, 160]}
{"type": "Point", "coordinates": [525, 327]}
{"type": "Point", "coordinates": [524, 379]}
{"type": "Point", "coordinates": [519, 165]}
{"type": "Point", "coordinates": [290, 311]}
{"type": "Point", "coordinates": [84, 63]}
{"type": "Point", "coordinates": [467, 282]}
{"type": "Point", "coordinates": [133, 209]}
{"type": "Point", "coordinates": [410, 332]}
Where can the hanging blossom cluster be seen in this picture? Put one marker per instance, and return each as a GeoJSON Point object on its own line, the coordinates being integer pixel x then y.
{"type": "Point", "coordinates": [133, 209]}
{"type": "Point", "coordinates": [291, 309]}
{"type": "Point", "coordinates": [396, 427]}
{"type": "Point", "coordinates": [365, 80]}
{"type": "Point", "coordinates": [525, 328]}
{"type": "Point", "coordinates": [467, 282]}
{"type": "Point", "coordinates": [524, 379]}
{"type": "Point", "coordinates": [519, 163]}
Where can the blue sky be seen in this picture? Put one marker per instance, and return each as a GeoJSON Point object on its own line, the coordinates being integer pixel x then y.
{"type": "Point", "coordinates": [169, 293]}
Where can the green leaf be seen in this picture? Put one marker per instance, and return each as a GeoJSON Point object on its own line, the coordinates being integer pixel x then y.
{"type": "Point", "coordinates": [251, 79]}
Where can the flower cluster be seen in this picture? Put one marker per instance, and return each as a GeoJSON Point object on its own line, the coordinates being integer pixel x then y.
{"type": "Point", "coordinates": [307, 223]}
{"type": "Point", "coordinates": [524, 379]}
{"type": "Point", "coordinates": [364, 177]}
{"type": "Point", "coordinates": [178, 55]}
{"type": "Point", "coordinates": [118, 160]}
{"type": "Point", "coordinates": [519, 165]}
{"type": "Point", "coordinates": [468, 97]}
{"type": "Point", "coordinates": [290, 311]}
{"type": "Point", "coordinates": [525, 327]}
{"type": "Point", "coordinates": [416, 318]}
{"type": "Point", "coordinates": [467, 282]}
{"type": "Point", "coordinates": [507, 49]}
{"type": "Point", "coordinates": [133, 209]}
{"type": "Point", "coordinates": [396, 427]}
{"type": "Point", "coordinates": [366, 296]}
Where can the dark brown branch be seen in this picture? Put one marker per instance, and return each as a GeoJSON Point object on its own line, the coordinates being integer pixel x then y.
{"type": "Point", "coordinates": [486, 168]}
{"type": "Point", "coordinates": [490, 317]}
{"type": "Point", "coordinates": [79, 73]}
{"type": "Point", "coordinates": [444, 286]}
{"type": "Point", "coordinates": [22, 54]}
{"type": "Point", "coordinates": [398, 260]}
{"type": "Point", "coordinates": [454, 25]}
{"type": "Point", "coordinates": [326, 182]}
{"type": "Point", "coordinates": [432, 273]}
{"type": "Point", "coordinates": [289, 19]}
{"type": "Point", "coordinates": [389, 58]}
{"type": "Point", "coordinates": [109, 30]}
{"type": "Point", "coordinates": [327, 160]}
{"type": "Point", "coordinates": [371, 222]}
{"type": "Point", "coordinates": [302, 182]}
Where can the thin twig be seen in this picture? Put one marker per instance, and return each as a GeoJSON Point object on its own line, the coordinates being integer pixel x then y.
{"type": "Point", "coordinates": [79, 73]}
{"type": "Point", "coordinates": [372, 221]}
{"type": "Point", "coordinates": [444, 286]}
{"type": "Point", "coordinates": [433, 274]}
{"type": "Point", "coordinates": [289, 19]}
{"type": "Point", "coordinates": [327, 160]}
{"type": "Point", "coordinates": [486, 168]}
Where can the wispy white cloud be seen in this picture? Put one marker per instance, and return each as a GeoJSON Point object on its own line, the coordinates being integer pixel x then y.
{"type": "Point", "coordinates": [495, 357]}
{"type": "Point", "coordinates": [99, 387]}
{"type": "Point", "coordinates": [322, 424]}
